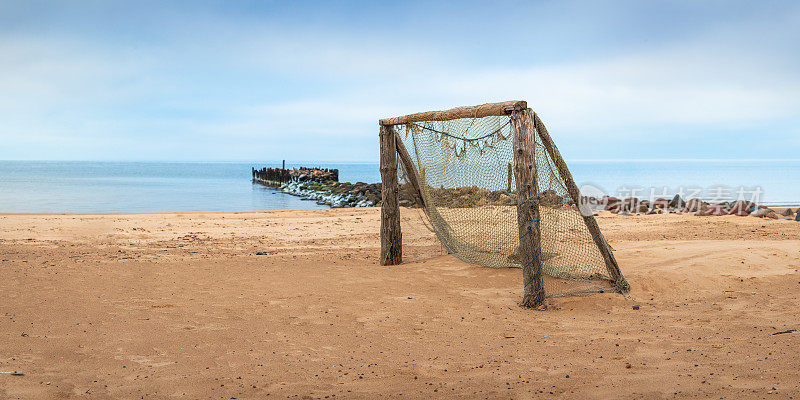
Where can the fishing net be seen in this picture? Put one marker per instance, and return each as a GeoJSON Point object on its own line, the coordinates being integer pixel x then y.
{"type": "Point", "coordinates": [465, 174]}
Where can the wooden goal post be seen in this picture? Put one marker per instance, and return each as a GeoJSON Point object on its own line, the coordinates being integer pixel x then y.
{"type": "Point", "coordinates": [526, 125]}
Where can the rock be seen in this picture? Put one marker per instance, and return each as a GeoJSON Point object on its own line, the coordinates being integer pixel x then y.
{"type": "Point", "coordinates": [702, 211]}
{"type": "Point", "coordinates": [787, 212]}
{"type": "Point", "coordinates": [741, 208]}
{"type": "Point", "coordinates": [464, 200]}
{"type": "Point", "coordinates": [550, 197]}
{"type": "Point", "coordinates": [335, 194]}
{"type": "Point", "coordinates": [761, 212]}
{"type": "Point", "coordinates": [613, 204]}
{"type": "Point", "coordinates": [797, 217]}
{"type": "Point", "coordinates": [643, 208]}
{"type": "Point", "coordinates": [406, 203]}
{"type": "Point", "coordinates": [630, 204]}
{"type": "Point", "coordinates": [372, 198]}
{"type": "Point", "coordinates": [661, 203]}
{"type": "Point", "coordinates": [677, 202]}
{"type": "Point", "coordinates": [693, 205]}
{"type": "Point", "coordinates": [773, 215]}
{"type": "Point", "coordinates": [716, 210]}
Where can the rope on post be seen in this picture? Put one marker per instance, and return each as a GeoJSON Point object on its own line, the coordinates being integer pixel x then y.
{"type": "Point", "coordinates": [398, 239]}
{"type": "Point", "coordinates": [531, 229]}
{"type": "Point", "coordinates": [536, 275]}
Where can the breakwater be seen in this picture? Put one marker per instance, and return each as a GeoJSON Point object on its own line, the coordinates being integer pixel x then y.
{"type": "Point", "coordinates": [336, 194]}
{"type": "Point", "coordinates": [322, 186]}
{"type": "Point", "coordinates": [279, 176]}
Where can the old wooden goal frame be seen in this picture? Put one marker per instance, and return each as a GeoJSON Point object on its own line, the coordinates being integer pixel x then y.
{"type": "Point", "coordinates": [525, 124]}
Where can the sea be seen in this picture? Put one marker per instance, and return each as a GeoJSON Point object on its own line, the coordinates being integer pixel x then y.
{"type": "Point", "coordinates": [106, 187]}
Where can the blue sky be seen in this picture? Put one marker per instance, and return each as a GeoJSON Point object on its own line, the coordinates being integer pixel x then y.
{"type": "Point", "coordinates": [225, 80]}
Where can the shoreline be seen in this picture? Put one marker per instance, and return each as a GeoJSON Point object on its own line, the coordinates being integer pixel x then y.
{"type": "Point", "coordinates": [164, 212]}
{"type": "Point", "coordinates": [259, 211]}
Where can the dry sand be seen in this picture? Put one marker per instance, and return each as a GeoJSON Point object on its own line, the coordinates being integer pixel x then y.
{"type": "Point", "coordinates": [293, 304]}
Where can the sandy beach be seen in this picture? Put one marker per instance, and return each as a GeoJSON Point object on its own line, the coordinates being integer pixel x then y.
{"type": "Point", "coordinates": [293, 304]}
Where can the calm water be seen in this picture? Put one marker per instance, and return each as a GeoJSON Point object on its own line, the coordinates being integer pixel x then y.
{"type": "Point", "coordinates": [57, 186]}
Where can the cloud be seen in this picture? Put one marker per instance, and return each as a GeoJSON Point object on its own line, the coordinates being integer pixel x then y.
{"type": "Point", "coordinates": [231, 85]}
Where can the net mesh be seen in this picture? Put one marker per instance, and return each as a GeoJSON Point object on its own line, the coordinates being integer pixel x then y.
{"type": "Point", "coordinates": [465, 170]}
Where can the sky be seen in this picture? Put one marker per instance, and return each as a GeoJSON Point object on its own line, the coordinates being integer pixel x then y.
{"type": "Point", "coordinates": [304, 80]}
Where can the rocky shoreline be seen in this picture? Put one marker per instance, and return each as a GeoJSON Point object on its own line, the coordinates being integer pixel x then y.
{"type": "Point", "coordinates": [335, 194]}
{"type": "Point", "coordinates": [698, 207]}
{"type": "Point", "coordinates": [340, 194]}
{"type": "Point", "coordinates": [360, 194]}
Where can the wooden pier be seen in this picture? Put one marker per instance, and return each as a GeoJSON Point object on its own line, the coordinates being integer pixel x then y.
{"type": "Point", "coordinates": [279, 176]}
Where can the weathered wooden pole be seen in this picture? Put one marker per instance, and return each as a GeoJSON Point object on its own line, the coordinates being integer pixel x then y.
{"type": "Point", "coordinates": [391, 236]}
{"type": "Point", "coordinates": [510, 178]}
{"type": "Point", "coordinates": [530, 244]}
{"type": "Point", "coordinates": [480, 111]}
{"type": "Point", "coordinates": [572, 189]}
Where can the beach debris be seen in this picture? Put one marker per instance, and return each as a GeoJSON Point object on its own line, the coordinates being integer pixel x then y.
{"type": "Point", "coordinates": [13, 373]}
{"type": "Point", "coordinates": [783, 332]}
{"type": "Point", "coordinates": [636, 307]}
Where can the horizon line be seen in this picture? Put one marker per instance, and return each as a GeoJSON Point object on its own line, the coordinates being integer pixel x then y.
{"type": "Point", "coordinates": [376, 161]}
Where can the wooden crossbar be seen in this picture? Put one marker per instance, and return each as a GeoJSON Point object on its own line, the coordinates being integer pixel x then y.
{"type": "Point", "coordinates": [479, 111]}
